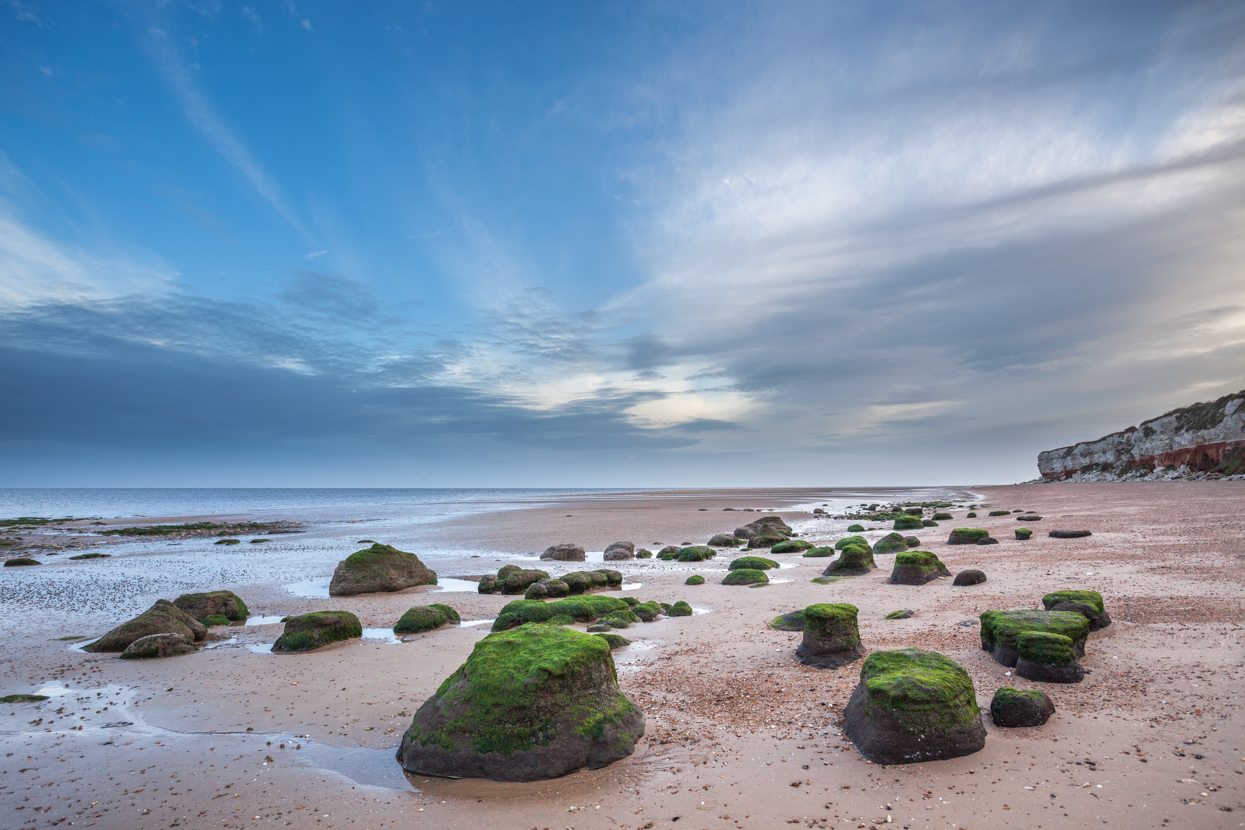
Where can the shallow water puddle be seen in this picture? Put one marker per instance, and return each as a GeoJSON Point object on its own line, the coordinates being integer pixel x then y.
{"type": "Point", "coordinates": [466, 623]}
{"type": "Point", "coordinates": [268, 620]}
{"type": "Point", "coordinates": [312, 588]}
{"type": "Point", "coordinates": [631, 586]}
{"type": "Point", "coordinates": [450, 583]}
{"type": "Point", "coordinates": [219, 643]}
{"type": "Point", "coordinates": [385, 634]}
{"type": "Point", "coordinates": [55, 690]}
{"type": "Point", "coordinates": [261, 648]}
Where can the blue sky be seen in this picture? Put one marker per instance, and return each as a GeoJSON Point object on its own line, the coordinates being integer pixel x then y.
{"type": "Point", "coordinates": [610, 244]}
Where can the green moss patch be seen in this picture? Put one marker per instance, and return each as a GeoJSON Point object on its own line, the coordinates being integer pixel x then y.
{"type": "Point", "coordinates": [307, 632]}
{"type": "Point", "coordinates": [1000, 512]}
{"type": "Point", "coordinates": [1023, 533]}
{"type": "Point", "coordinates": [922, 690]}
{"type": "Point", "coordinates": [614, 641]}
{"type": "Point", "coordinates": [757, 563]}
{"type": "Point", "coordinates": [890, 543]}
{"type": "Point", "coordinates": [214, 620]}
{"type": "Point", "coordinates": [19, 562]}
{"type": "Point", "coordinates": [22, 698]}
{"type": "Point", "coordinates": [668, 553]}
{"type": "Point", "coordinates": [226, 604]}
{"type": "Point", "coordinates": [679, 609]}
{"type": "Point", "coordinates": [791, 621]}
{"type": "Point", "coordinates": [1091, 598]}
{"type": "Point", "coordinates": [695, 579]}
{"type": "Point", "coordinates": [819, 552]}
{"type": "Point", "coordinates": [792, 546]}
{"type": "Point", "coordinates": [92, 556]}
{"type": "Point", "coordinates": [967, 536]}
{"type": "Point", "coordinates": [423, 618]}
{"type": "Point", "coordinates": [942, 517]}
{"type": "Point", "coordinates": [1045, 648]}
{"type": "Point", "coordinates": [696, 553]}
{"type": "Point", "coordinates": [746, 576]}
{"type": "Point", "coordinates": [855, 528]}
{"type": "Point", "coordinates": [228, 541]}
{"type": "Point", "coordinates": [584, 608]}
{"type": "Point", "coordinates": [899, 615]}
{"type": "Point", "coordinates": [851, 540]}
{"type": "Point", "coordinates": [907, 523]}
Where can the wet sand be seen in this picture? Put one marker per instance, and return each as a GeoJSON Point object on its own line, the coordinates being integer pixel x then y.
{"type": "Point", "coordinates": [739, 734]}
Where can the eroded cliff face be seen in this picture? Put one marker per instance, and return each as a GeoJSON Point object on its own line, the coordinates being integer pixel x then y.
{"type": "Point", "coordinates": [1205, 438]}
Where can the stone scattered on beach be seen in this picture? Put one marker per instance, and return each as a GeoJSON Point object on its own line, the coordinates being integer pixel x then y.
{"type": "Point", "coordinates": [972, 576]}
{"type": "Point", "coordinates": [758, 563]}
{"type": "Point", "coordinates": [548, 589]}
{"type": "Point", "coordinates": [614, 641]}
{"type": "Point", "coordinates": [19, 562]}
{"type": "Point", "coordinates": [913, 705]}
{"type": "Point", "coordinates": [21, 698]}
{"type": "Point", "coordinates": [619, 551]}
{"type": "Point", "coordinates": [769, 527]}
{"type": "Point", "coordinates": [1047, 658]}
{"type": "Point", "coordinates": [679, 609]}
{"type": "Point", "coordinates": [851, 540]}
{"type": "Point", "coordinates": [643, 553]}
{"type": "Point", "coordinates": [647, 611]}
{"type": "Point", "coordinates": [745, 576]}
{"type": "Point", "coordinates": [724, 540]}
{"type": "Point", "coordinates": [92, 556]}
{"type": "Point", "coordinates": [1000, 630]}
{"type": "Point", "coordinates": [908, 523]}
{"type": "Point", "coordinates": [791, 621]}
{"type": "Point", "coordinates": [511, 579]}
{"type": "Point", "coordinates": [967, 536]}
{"type": "Point", "coordinates": [423, 618]}
{"type": "Point", "coordinates": [900, 615]}
{"type": "Point", "coordinates": [224, 604]}
{"type": "Point", "coordinates": [831, 636]}
{"type": "Point", "coordinates": [1069, 534]}
{"type": "Point", "coordinates": [792, 546]}
{"type": "Point", "coordinates": [1012, 707]}
{"type": "Point", "coordinates": [987, 540]}
{"type": "Point", "coordinates": [530, 704]}
{"type": "Point", "coordinates": [1000, 512]}
{"type": "Point", "coordinates": [380, 568]}
{"type": "Point", "coordinates": [853, 560]}
{"type": "Point", "coordinates": [970, 515]}
{"type": "Point", "coordinates": [161, 618]}
{"type": "Point", "coordinates": [912, 541]}
{"type": "Point", "coordinates": [1089, 604]}
{"type": "Point", "coordinates": [581, 609]}
{"type": "Point", "coordinates": [819, 552]}
{"type": "Point", "coordinates": [1029, 517]}
{"type": "Point", "coordinates": [308, 632]}
{"type": "Point", "coordinates": [1023, 533]}
{"type": "Point", "coordinates": [696, 553]}
{"type": "Point", "coordinates": [942, 517]}
{"type": "Point", "coordinates": [855, 528]}
{"type": "Point", "coordinates": [669, 552]}
{"type": "Point", "coordinates": [890, 543]}
{"type": "Point", "coordinates": [158, 645]}
{"type": "Point", "coordinates": [917, 567]}
{"type": "Point", "coordinates": [695, 579]}
{"type": "Point", "coordinates": [566, 552]}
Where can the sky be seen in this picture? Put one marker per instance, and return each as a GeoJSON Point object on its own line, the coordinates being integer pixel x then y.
{"type": "Point", "coordinates": [609, 244]}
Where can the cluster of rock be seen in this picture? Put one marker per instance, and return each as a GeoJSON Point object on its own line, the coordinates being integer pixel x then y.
{"type": "Point", "coordinates": [765, 532]}
{"type": "Point", "coordinates": [167, 629]}
{"type": "Point", "coordinates": [377, 569]}
{"type": "Point", "coordinates": [1045, 645]}
{"type": "Point", "coordinates": [538, 584]}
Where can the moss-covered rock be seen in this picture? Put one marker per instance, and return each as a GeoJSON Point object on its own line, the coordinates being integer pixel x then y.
{"type": "Point", "coordinates": [831, 636]}
{"type": "Point", "coordinates": [765, 540]}
{"type": "Point", "coordinates": [566, 552]}
{"type": "Point", "coordinates": [1069, 534]}
{"type": "Point", "coordinates": [850, 540]}
{"type": "Point", "coordinates": [972, 576]}
{"type": "Point", "coordinates": [1000, 512]}
{"type": "Point", "coordinates": [614, 641]}
{"type": "Point", "coordinates": [154, 646]}
{"type": "Point", "coordinates": [696, 553]}
{"type": "Point", "coordinates": [745, 576]}
{"type": "Point", "coordinates": [228, 542]}
{"type": "Point", "coordinates": [225, 604]}
{"type": "Point", "coordinates": [548, 589]}
{"type": "Point", "coordinates": [819, 552]}
{"type": "Point", "coordinates": [534, 703]}
{"type": "Point", "coordinates": [942, 517]}
{"type": "Point", "coordinates": [903, 614]}
{"type": "Point", "coordinates": [1089, 604]}
{"type": "Point", "coordinates": [970, 515]}
{"type": "Point", "coordinates": [489, 584]}
{"type": "Point", "coordinates": [724, 540]}
{"type": "Point", "coordinates": [21, 698]}
{"type": "Point", "coordinates": [308, 632]}
{"type": "Point", "coordinates": [1029, 517]}
{"type": "Point", "coordinates": [967, 536]}
{"type": "Point", "coordinates": [912, 541]}
{"type": "Point", "coordinates": [769, 526]}
{"type": "Point", "coordinates": [758, 563]}
{"type": "Point", "coordinates": [161, 618]}
{"type": "Point", "coordinates": [928, 523]}
{"type": "Point", "coordinates": [423, 618]}
{"type": "Point", "coordinates": [907, 523]}
{"type": "Point", "coordinates": [1013, 707]}
{"type": "Point", "coordinates": [792, 546]}
{"type": "Point", "coordinates": [1000, 630]}
{"type": "Point", "coordinates": [213, 620]}
{"type": "Point", "coordinates": [643, 553]}
{"type": "Point", "coordinates": [1023, 533]}
{"type": "Point", "coordinates": [917, 567]}
{"type": "Point", "coordinates": [1047, 658]}
{"type": "Point", "coordinates": [92, 556]}
{"type": "Point", "coordinates": [853, 559]}
{"type": "Point", "coordinates": [988, 540]}
{"type": "Point", "coordinates": [647, 611]}
{"type": "Point", "coordinates": [586, 608]}
{"type": "Point", "coordinates": [695, 579]}
{"type": "Point", "coordinates": [890, 543]}
{"type": "Point", "coordinates": [668, 553]}
{"type": "Point", "coordinates": [679, 609]}
{"type": "Point", "coordinates": [379, 568]}
{"type": "Point", "coordinates": [913, 705]}
{"type": "Point", "coordinates": [20, 561]}
{"type": "Point", "coordinates": [791, 621]}
{"type": "Point", "coordinates": [511, 579]}
{"type": "Point", "coordinates": [855, 528]}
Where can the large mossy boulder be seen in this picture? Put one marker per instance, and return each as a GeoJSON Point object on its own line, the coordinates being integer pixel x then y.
{"type": "Point", "coordinates": [308, 632]}
{"type": "Point", "coordinates": [759, 563]}
{"type": "Point", "coordinates": [566, 552]}
{"type": "Point", "coordinates": [225, 604]}
{"type": "Point", "coordinates": [855, 528]}
{"type": "Point", "coordinates": [423, 618]}
{"type": "Point", "coordinates": [746, 576]}
{"type": "Point", "coordinates": [792, 546]}
{"type": "Point", "coordinates": [967, 536]}
{"type": "Point", "coordinates": [831, 636]}
{"type": "Point", "coordinates": [853, 560]}
{"type": "Point", "coordinates": [530, 704]}
{"type": "Point", "coordinates": [586, 608]}
{"type": "Point", "coordinates": [679, 609]}
{"type": "Point", "coordinates": [380, 568]}
{"type": "Point", "coordinates": [917, 567]}
{"type": "Point", "coordinates": [162, 618]}
{"type": "Point", "coordinates": [1000, 630]}
{"type": "Point", "coordinates": [696, 553]}
{"type": "Point", "coordinates": [619, 552]}
{"type": "Point", "coordinates": [1047, 658]}
{"type": "Point", "coordinates": [1087, 603]}
{"type": "Point", "coordinates": [155, 646]}
{"type": "Point", "coordinates": [669, 553]}
{"type": "Point", "coordinates": [1013, 707]}
{"type": "Point", "coordinates": [852, 540]}
{"type": "Point", "coordinates": [913, 705]}
{"type": "Point", "coordinates": [724, 540]}
{"type": "Point", "coordinates": [820, 552]}
{"type": "Point", "coordinates": [20, 562]}
{"type": "Point", "coordinates": [908, 523]}
{"type": "Point", "coordinates": [695, 579]}
{"type": "Point", "coordinates": [890, 543]}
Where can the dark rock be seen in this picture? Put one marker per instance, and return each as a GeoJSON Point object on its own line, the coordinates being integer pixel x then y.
{"type": "Point", "coordinates": [1086, 603]}
{"type": "Point", "coordinates": [831, 636]}
{"type": "Point", "coordinates": [1000, 512]}
{"type": "Point", "coordinates": [530, 704]}
{"type": "Point", "coordinates": [969, 577]}
{"type": "Point", "coordinates": [614, 641]}
{"type": "Point", "coordinates": [913, 705]}
{"type": "Point", "coordinates": [696, 553]}
{"type": "Point", "coordinates": [791, 621]}
{"type": "Point", "coordinates": [380, 568]}
{"type": "Point", "coordinates": [853, 560]}
{"type": "Point", "coordinates": [1001, 630]}
{"type": "Point", "coordinates": [1028, 517]}
{"type": "Point", "coordinates": [20, 561]}
{"type": "Point", "coordinates": [669, 552]}
{"type": "Point", "coordinates": [912, 541]}
{"type": "Point", "coordinates": [489, 584]}
{"type": "Point", "coordinates": [900, 615]}
{"type": "Point", "coordinates": [1023, 534]}
{"type": "Point", "coordinates": [567, 552]}
{"type": "Point", "coordinates": [967, 536]}
{"type": "Point", "coordinates": [1047, 658]}
{"type": "Point", "coordinates": [423, 618]}
{"type": "Point", "coordinates": [643, 553]}
{"type": "Point", "coordinates": [515, 580]}
{"type": "Point", "coordinates": [1012, 707]}
{"type": "Point", "coordinates": [308, 632]}
{"type": "Point", "coordinates": [917, 567]}
{"type": "Point", "coordinates": [1069, 534]}
{"type": "Point", "coordinates": [223, 603]}
{"type": "Point", "coordinates": [724, 540]}
{"type": "Point", "coordinates": [620, 551]}
{"type": "Point", "coordinates": [890, 543]}
{"type": "Point", "coordinates": [162, 618]}
{"type": "Point", "coordinates": [158, 645]}
{"type": "Point", "coordinates": [988, 540]}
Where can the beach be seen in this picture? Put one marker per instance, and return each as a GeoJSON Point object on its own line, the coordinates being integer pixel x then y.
{"type": "Point", "coordinates": [739, 734]}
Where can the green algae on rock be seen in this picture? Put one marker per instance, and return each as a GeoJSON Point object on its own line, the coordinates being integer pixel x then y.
{"type": "Point", "coordinates": [819, 552]}
{"type": "Point", "coordinates": [913, 705]}
{"type": "Point", "coordinates": [586, 608]}
{"type": "Point", "coordinates": [1047, 658]}
{"type": "Point", "coordinates": [20, 561]}
{"type": "Point", "coordinates": [791, 621]}
{"type": "Point", "coordinates": [308, 632]}
{"type": "Point", "coordinates": [792, 546]}
{"type": "Point", "coordinates": [155, 646]}
{"type": "Point", "coordinates": [695, 579]}
{"type": "Point", "coordinates": [890, 543]}
{"type": "Point", "coordinates": [852, 540]}
{"type": "Point", "coordinates": [907, 523]}
{"type": "Point", "coordinates": [855, 528]}
{"type": "Point", "coordinates": [212, 620]}
{"type": "Point", "coordinates": [745, 576]}
{"type": "Point", "coordinates": [1015, 708]}
{"type": "Point", "coordinates": [1023, 533]}
{"type": "Point", "coordinates": [615, 641]}
{"type": "Point", "coordinates": [917, 567]}
{"type": "Point", "coordinates": [21, 698]}
{"type": "Point", "coordinates": [853, 559]}
{"type": "Point", "coordinates": [643, 553]}
{"type": "Point", "coordinates": [942, 517]}
{"type": "Point", "coordinates": [529, 704]}
{"type": "Point", "coordinates": [1000, 630]}
{"type": "Point", "coordinates": [759, 563]}
{"type": "Point", "coordinates": [724, 540]}
{"type": "Point", "coordinates": [647, 611]}
{"type": "Point", "coordinates": [900, 615]}
{"type": "Point", "coordinates": [1000, 512]}
{"type": "Point", "coordinates": [511, 579]}
{"type": "Point", "coordinates": [380, 568]}
{"type": "Point", "coordinates": [679, 609]}
{"type": "Point", "coordinates": [161, 618]}
{"type": "Point", "coordinates": [696, 553]}
{"type": "Point", "coordinates": [831, 636]}
{"type": "Point", "coordinates": [967, 536]}
{"type": "Point", "coordinates": [1087, 603]}
{"type": "Point", "coordinates": [668, 553]}
{"type": "Point", "coordinates": [426, 618]}
{"type": "Point", "coordinates": [225, 604]}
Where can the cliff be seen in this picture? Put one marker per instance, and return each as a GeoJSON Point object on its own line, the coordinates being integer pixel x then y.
{"type": "Point", "coordinates": [1205, 440]}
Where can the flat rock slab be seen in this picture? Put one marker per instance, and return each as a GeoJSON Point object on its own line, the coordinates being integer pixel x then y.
{"type": "Point", "coordinates": [1069, 534]}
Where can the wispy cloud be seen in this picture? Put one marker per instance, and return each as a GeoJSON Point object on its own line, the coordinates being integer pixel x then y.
{"type": "Point", "coordinates": [253, 16]}
{"type": "Point", "coordinates": [313, 255]}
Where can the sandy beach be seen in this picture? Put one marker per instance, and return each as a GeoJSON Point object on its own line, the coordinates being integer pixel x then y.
{"type": "Point", "coordinates": [739, 734]}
